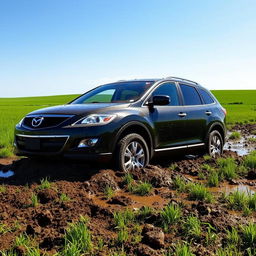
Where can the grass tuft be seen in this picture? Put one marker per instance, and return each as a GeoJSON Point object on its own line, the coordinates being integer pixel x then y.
{"type": "Point", "coordinates": [192, 227]}
{"type": "Point", "coordinates": [78, 238]}
{"type": "Point", "coordinates": [45, 183]}
{"type": "Point", "coordinates": [34, 200]}
{"type": "Point", "coordinates": [142, 189]}
{"type": "Point", "coordinates": [2, 188]}
{"type": "Point", "coordinates": [213, 179]}
{"type": "Point", "coordinates": [200, 193]}
{"type": "Point", "coordinates": [179, 184]}
{"type": "Point", "coordinates": [249, 234]}
{"type": "Point", "coordinates": [235, 135]}
{"type": "Point", "coordinates": [170, 215]}
{"type": "Point", "coordinates": [109, 192]}
{"type": "Point", "coordinates": [64, 197]}
{"type": "Point", "coordinates": [122, 219]}
{"type": "Point", "coordinates": [250, 160]}
{"type": "Point", "coordinates": [228, 168]}
{"type": "Point", "coordinates": [237, 200]}
{"type": "Point", "coordinates": [233, 236]}
{"type": "Point", "coordinates": [183, 250]}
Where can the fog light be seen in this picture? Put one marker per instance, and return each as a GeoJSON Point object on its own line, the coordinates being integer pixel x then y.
{"type": "Point", "coordinates": [87, 143]}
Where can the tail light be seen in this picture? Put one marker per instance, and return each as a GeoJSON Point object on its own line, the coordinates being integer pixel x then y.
{"type": "Point", "coordinates": [224, 111]}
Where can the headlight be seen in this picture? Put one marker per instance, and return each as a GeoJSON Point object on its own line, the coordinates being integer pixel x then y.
{"type": "Point", "coordinates": [20, 122]}
{"type": "Point", "coordinates": [96, 119]}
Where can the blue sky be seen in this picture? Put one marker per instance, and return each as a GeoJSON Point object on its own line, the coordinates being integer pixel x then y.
{"type": "Point", "coordinates": [50, 47]}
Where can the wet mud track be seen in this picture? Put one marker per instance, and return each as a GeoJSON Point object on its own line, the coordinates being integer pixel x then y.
{"type": "Point", "coordinates": [80, 189]}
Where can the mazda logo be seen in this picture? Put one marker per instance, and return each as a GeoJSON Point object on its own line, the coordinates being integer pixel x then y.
{"type": "Point", "coordinates": [37, 121]}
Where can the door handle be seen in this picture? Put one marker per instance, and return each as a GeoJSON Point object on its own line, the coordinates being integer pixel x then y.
{"type": "Point", "coordinates": [182, 114]}
{"type": "Point", "coordinates": [208, 113]}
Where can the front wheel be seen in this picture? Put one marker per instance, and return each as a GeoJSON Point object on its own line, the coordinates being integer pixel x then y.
{"type": "Point", "coordinates": [215, 144]}
{"type": "Point", "coordinates": [132, 153]}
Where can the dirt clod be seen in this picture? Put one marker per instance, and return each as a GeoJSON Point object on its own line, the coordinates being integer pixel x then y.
{"type": "Point", "coordinates": [47, 195]}
{"type": "Point", "coordinates": [153, 236]}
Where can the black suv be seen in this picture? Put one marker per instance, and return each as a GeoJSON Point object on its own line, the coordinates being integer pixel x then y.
{"type": "Point", "coordinates": [128, 121]}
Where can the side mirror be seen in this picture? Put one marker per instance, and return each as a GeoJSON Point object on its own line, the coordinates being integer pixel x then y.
{"type": "Point", "coordinates": [161, 100]}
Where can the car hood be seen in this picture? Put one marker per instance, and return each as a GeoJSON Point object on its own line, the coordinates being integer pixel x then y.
{"type": "Point", "coordinates": [80, 109]}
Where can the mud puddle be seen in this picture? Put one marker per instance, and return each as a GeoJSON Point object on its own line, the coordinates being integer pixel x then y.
{"type": "Point", "coordinates": [227, 189]}
{"type": "Point", "coordinates": [130, 200]}
{"type": "Point", "coordinates": [241, 146]}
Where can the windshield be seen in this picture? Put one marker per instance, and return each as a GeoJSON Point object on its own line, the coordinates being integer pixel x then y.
{"type": "Point", "coordinates": [116, 92]}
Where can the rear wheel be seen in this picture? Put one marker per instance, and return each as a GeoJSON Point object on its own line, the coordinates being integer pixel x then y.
{"type": "Point", "coordinates": [215, 144]}
{"type": "Point", "coordinates": [132, 153]}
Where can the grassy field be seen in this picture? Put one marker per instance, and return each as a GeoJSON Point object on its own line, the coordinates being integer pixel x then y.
{"type": "Point", "coordinates": [240, 104]}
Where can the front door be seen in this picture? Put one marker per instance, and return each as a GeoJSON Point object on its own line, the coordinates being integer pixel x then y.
{"type": "Point", "coordinates": [169, 126]}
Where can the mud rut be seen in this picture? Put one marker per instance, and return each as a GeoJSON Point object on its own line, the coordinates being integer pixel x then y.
{"type": "Point", "coordinates": [84, 184]}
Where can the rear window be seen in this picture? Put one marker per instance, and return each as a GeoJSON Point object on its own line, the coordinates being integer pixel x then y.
{"type": "Point", "coordinates": [206, 97]}
{"type": "Point", "coordinates": [190, 95]}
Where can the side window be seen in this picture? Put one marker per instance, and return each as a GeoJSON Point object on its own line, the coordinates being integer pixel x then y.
{"type": "Point", "coordinates": [190, 95]}
{"type": "Point", "coordinates": [206, 96]}
{"type": "Point", "coordinates": [168, 89]}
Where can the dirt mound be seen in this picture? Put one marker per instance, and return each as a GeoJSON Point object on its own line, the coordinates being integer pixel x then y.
{"type": "Point", "coordinates": [155, 175]}
{"type": "Point", "coordinates": [100, 181]}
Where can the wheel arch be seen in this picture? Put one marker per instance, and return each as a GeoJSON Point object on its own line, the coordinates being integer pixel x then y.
{"type": "Point", "coordinates": [218, 127]}
{"type": "Point", "coordinates": [139, 128]}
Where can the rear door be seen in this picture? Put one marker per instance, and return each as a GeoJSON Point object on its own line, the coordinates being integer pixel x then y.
{"type": "Point", "coordinates": [169, 126]}
{"type": "Point", "coordinates": [195, 118]}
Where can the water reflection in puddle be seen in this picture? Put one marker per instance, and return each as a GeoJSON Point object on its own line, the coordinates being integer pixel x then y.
{"type": "Point", "coordinates": [227, 189]}
{"type": "Point", "coordinates": [7, 174]}
{"type": "Point", "coordinates": [239, 146]}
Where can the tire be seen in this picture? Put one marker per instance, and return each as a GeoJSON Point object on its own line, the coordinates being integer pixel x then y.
{"type": "Point", "coordinates": [214, 144]}
{"type": "Point", "coordinates": [132, 153]}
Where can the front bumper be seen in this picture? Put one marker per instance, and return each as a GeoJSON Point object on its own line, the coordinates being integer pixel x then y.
{"type": "Point", "coordinates": [64, 142]}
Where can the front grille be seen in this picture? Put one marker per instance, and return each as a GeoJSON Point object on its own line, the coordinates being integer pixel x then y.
{"type": "Point", "coordinates": [41, 144]}
{"type": "Point", "coordinates": [34, 122]}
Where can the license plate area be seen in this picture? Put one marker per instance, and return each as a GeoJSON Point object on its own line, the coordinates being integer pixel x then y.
{"type": "Point", "coordinates": [32, 144]}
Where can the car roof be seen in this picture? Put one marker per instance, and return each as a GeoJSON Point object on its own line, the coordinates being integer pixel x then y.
{"type": "Point", "coordinates": [177, 79]}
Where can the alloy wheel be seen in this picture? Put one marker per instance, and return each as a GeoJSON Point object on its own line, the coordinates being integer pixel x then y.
{"type": "Point", "coordinates": [134, 156]}
{"type": "Point", "coordinates": [215, 146]}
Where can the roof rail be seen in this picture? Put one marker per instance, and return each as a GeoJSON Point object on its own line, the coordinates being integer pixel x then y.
{"type": "Point", "coordinates": [182, 79]}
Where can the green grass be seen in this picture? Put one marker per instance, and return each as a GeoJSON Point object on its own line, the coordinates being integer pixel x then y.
{"type": "Point", "coordinates": [64, 198]}
{"type": "Point", "coordinates": [193, 227]}
{"type": "Point", "coordinates": [122, 219]}
{"type": "Point", "coordinates": [180, 184]}
{"type": "Point", "coordinates": [182, 250]}
{"type": "Point", "coordinates": [78, 238]}
{"type": "Point", "coordinates": [213, 179]}
{"type": "Point", "coordinates": [235, 135]}
{"type": "Point", "coordinates": [228, 168]}
{"type": "Point", "coordinates": [142, 189]}
{"type": "Point", "coordinates": [199, 192]}
{"type": "Point", "coordinates": [45, 183]}
{"type": "Point", "coordinates": [109, 192]}
{"type": "Point", "coordinates": [170, 215]}
{"type": "Point", "coordinates": [34, 200]}
{"type": "Point", "coordinates": [250, 160]}
{"type": "Point", "coordinates": [2, 188]}
{"type": "Point", "coordinates": [233, 236]}
{"type": "Point", "coordinates": [238, 112]}
{"type": "Point", "coordinates": [249, 234]}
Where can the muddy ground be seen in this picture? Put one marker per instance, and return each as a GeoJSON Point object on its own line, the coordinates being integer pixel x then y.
{"type": "Point", "coordinates": [85, 187]}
